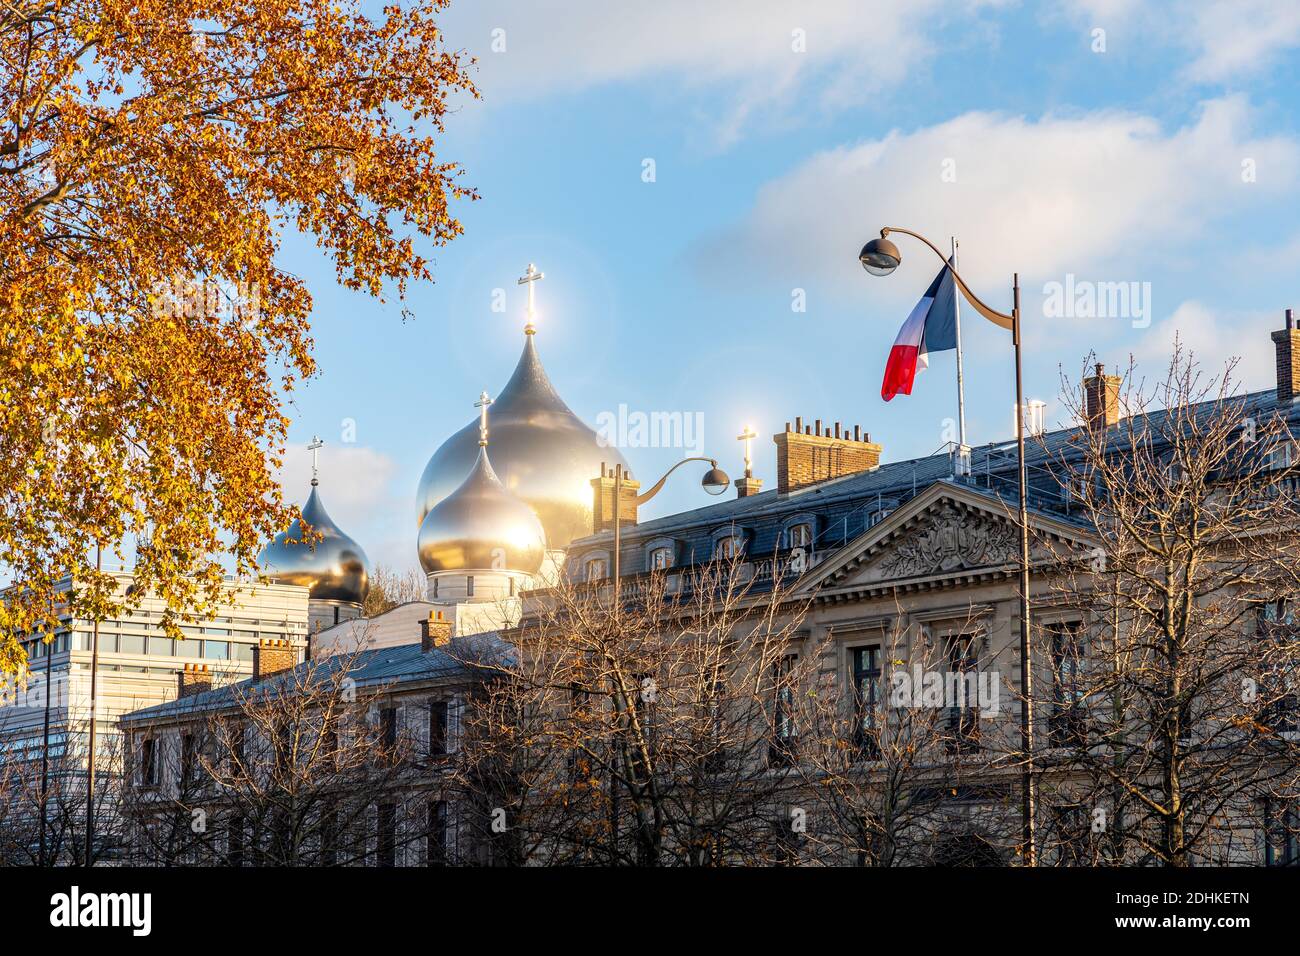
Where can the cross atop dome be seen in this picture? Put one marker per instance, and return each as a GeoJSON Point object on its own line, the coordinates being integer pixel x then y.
{"type": "Point", "coordinates": [529, 278]}
{"type": "Point", "coordinates": [315, 447]}
{"type": "Point", "coordinates": [747, 436]}
{"type": "Point", "coordinates": [482, 406]}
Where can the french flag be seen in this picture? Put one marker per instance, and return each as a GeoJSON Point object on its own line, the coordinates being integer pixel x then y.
{"type": "Point", "coordinates": [932, 327]}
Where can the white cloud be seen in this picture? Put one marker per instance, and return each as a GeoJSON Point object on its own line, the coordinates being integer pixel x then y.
{"type": "Point", "coordinates": [750, 48]}
{"type": "Point", "coordinates": [1213, 338]}
{"type": "Point", "coordinates": [354, 481]}
{"type": "Point", "coordinates": [1228, 39]}
{"type": "Point", "coordinates": [1236, 38]}
{"type": "Point", "coordinates": [1103, 195]}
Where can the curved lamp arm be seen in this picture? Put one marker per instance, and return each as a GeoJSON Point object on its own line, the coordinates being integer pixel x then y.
{"type": "Point", "coordinates": [658, 485]}
{"type": "Point", "coordinates": [1000, 319]}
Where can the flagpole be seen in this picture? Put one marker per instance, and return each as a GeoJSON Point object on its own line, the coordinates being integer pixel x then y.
{"type": "Point", "coordinates": [961, 388]}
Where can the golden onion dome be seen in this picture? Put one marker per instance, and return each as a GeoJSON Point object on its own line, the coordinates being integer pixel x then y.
{"type": "Point", "coordinates": [334, 567]}
{"type": "Point", "coordinates": [481, 527]}
{"type": "Point", "coordinates": [542, 451]}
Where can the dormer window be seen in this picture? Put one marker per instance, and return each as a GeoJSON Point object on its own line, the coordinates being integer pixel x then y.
{"type": "Point", "coordinates": [661, 559]}
{"type": "Point", "coordinates": [1282, 455]}
{"type": "Point", "coordinates": [799, 535]}
{"type": "Point", "coordinates": [728, 548]}
{"type": "Point", "coordinates": [596, 569]}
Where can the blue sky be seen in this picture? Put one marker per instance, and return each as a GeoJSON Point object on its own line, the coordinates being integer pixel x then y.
{"type": "Point", "coordinates": [1163, 151]}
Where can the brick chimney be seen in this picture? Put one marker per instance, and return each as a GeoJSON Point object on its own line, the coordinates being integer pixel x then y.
{"type": "Point", "coordinates": [749, 485]}
{"type": "Point", "coordinates": [602, 494]}
{"type": "Point", "coordinates": [272, 657]}
{"type": "Point", "coordinates": [193, 679]}
{"type": "Point", "coordinates": [1287, 343]}
{"type": "Point", "coordinates": [1101, 399]}
{"type": "Point", "coordinates": [435, 631]}
{"type": "Point", "coordinates": [806, 455]}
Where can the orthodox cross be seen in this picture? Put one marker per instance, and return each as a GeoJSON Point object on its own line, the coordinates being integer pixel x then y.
{"type": "Point", "coordinates": [529, 278]}
{"type": "Point", "coordinates": [746, 436]}
{"type": "Point", "coordinates": [315, 447]}
{"type": "Point", "coordinates": [482, 406]}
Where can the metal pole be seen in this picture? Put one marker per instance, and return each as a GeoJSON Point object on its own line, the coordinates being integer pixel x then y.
{"type": "Point", "coordinates": [616, 568]}
{"type": "Point", "coordinates": [617, 564]}
{"type": "Point", "coordinates": [45, 738]}
{"type": "Point", "coordinates": [94, 681]}
{"type": "Point", "coordinates": [1029, 796]}
{"type": "Point", "coordinates": [961, 388]}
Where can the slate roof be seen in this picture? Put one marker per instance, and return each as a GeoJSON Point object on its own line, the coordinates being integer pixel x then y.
{"type": "Point", "coordinates": [843, 508]}
{"type": "Point", "coordinates": [379, 667]}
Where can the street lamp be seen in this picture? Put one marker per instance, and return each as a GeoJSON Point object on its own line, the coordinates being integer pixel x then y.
{"type": "Point", "coordinates": [714, 482]}
{"type": "Point", "coordinates": [880, 257]}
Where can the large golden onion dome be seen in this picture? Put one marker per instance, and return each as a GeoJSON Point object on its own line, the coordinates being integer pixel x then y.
{"type": "Point", "coordinates": [542, 451]}
{"type": "Point", "coordinates": [334, 567]}
{"type": "Point", "coordinates": [481, 527]}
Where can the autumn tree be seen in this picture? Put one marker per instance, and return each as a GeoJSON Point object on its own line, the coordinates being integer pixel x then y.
{"type": "Point", "coordinates": [1171, 707]}
{"type": "Point", "coordinates": [155, 154]}
{"type": "Point", "coordinates": [390, 587]}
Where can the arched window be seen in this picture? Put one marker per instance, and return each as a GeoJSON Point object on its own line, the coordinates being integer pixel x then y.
{"type": "Point", "coordinates": [799, 535]}
{"type": "Point", "coordinates": [596, 569]}
{"type": "Point", "coordinates": [661, 558]}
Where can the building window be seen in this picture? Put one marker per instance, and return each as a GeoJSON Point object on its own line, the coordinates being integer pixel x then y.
{"type": "Point", "coordinates": [1066, 726]}
{"type": "Point", "coordinates": [388, 727]}
{"type": "Point", "coordinates": [235, 842]}
{"type": "Point", "coordinates": [865, 662]}
{"type": "Point", "coordinates": [437, 728]}
{"type": "Point", "coordinates": [799, 536]}
{"type": "Point", "coordinates": [1281, 455]}
{"type": "Point", "coordinates": [386, 836]}
{"type": "Point", "coordinates": [728, 548]}
{"type": "Point", "coordinates": [1073, 837]}
{"type": "Point", "coordinates": [661, 559]}
{"type": "Point", "coordinates": [1279, 705]}
{"type": "Point", "coordinates": [1281, 833]}
{"type": "Point", "coordinates": [188, 759]}
{"type": "Point", "coordinates": [469, 585]}
{"type": "Point", "coordinates": [329, 837]}
{"type": "Point", "coordinates": [783, 745]}
{"type": "Point", "coordinates": [149, 762]}
{"type": "Point", "coordinates": [436, 854]}
{"type": "Point", "coordinates": [596, 569]}
{"type": "Point", "coordinates": [964, 715]}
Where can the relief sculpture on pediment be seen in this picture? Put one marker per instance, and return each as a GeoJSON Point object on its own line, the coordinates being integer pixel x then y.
{"type": "Point", "coordinates": [952, 539]}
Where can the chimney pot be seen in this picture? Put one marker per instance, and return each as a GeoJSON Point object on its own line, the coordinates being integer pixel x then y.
{"type": "Point", "coordinates": [818, 454]}
{"type": "Point", "coordinates": [1100, 399]}
{"type": "Point", "coordinates": [434, 632]}
{"type": "Point", "coordinates": [1286, 342]}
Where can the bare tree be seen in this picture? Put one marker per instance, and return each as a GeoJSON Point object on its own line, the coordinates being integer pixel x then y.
{"type": "Point", "coordinates": [1172, 712]}
{"type": "Point", "coordinates": [644, 737]}
{"type": "Point", "coordinates": [902, 769]}
{"type": "Point", "coordinates": [43, 802]}
{"type": "Point", "coordinates": [303, 768]}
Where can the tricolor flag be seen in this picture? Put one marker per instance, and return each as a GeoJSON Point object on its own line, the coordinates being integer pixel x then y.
{"type": "Point", "coordinates": [932, 327]}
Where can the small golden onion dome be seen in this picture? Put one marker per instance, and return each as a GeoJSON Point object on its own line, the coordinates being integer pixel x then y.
{"type": "Point", "coordinates": [481, 527]}
{"type": "Point", "coordinates": [543, 453]}
{"type": "Point", "coordinates": [334, 567]}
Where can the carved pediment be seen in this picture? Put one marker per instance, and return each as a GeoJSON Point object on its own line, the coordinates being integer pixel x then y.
{"type": "Point", "coordinates": [946, 540]}
{"type": "Point", "coordinates": [947, 532]}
